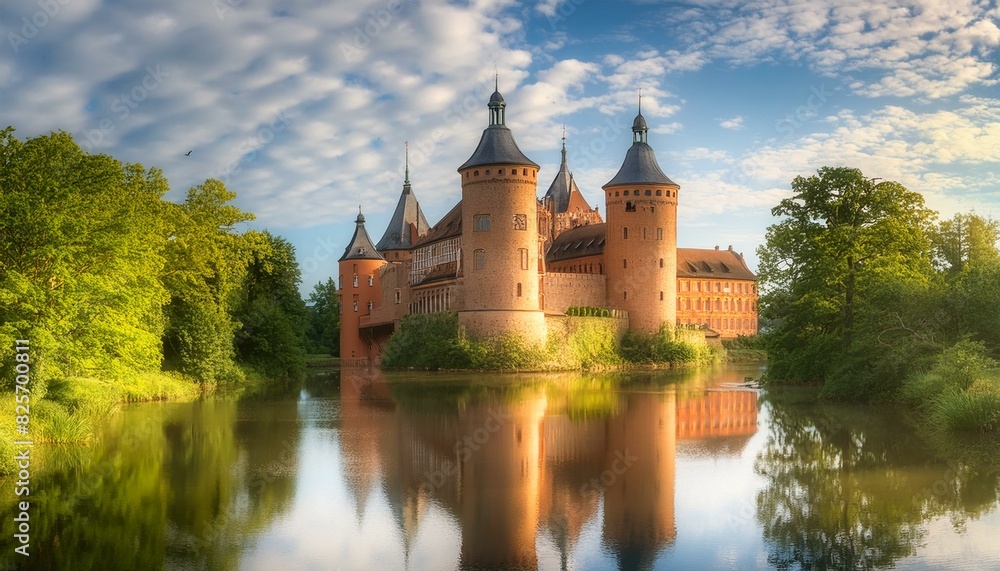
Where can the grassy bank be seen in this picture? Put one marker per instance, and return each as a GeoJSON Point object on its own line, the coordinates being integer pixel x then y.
{"type": "Point", "coordinates": [960, 391]}
{"type": "Point", "coordinates": [588, 343]}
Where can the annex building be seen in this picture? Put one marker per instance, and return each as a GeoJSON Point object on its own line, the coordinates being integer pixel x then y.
{"type": "Point", "coordinates": [506, 261]}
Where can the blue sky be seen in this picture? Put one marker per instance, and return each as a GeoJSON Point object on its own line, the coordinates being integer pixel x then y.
{"type": "Point", "coordinates": [302, 107]}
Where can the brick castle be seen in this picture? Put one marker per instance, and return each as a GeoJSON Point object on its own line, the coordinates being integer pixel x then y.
{"type": "Point", "coordinates": [506, 261]}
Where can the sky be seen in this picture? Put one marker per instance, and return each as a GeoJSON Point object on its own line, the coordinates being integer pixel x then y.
{"type": "Point", "coordinates": [302, 107]}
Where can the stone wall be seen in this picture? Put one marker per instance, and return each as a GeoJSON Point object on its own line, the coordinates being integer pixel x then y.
{"type": "Point", "coordinates": [562, 291]}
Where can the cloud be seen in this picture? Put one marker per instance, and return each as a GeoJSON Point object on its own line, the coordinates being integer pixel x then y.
{"type": "Point", "coordinates": [733, 124]}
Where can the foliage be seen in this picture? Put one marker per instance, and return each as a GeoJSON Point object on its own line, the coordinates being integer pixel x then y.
{"type": "Point", "coordinates": [966, 239]}
{"type": "Point", "coordinates": [673, 345]}
{"type": "Point", "coordinates": [582, 343]}
{"type": "Point", "coordinates": [588, 312]}
{"type": "Point", "coordinates": [324, 318]}
{"type": "Point", "coordinates": [427, 341]}
{"type": "Point", "coordinates": [843, 236]}
{"type": "Point", "coordinates": [271, 313]}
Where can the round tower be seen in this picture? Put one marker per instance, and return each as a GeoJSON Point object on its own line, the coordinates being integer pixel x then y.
{"type": "Point", "coordinates": [500, 242]}
{"type": "Point", "coordinates": [360, 293]}
{"type": "Point", "coordinates": [640, 253]}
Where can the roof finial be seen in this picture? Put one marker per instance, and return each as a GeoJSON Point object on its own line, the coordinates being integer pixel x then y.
{"type": "Point", "coordinates": [564, 146]}
{"type": "Point", "coordinates": [496, 78]}
{"type": "Point", "coordinates": [406, 161]}
{"type": "Point", "coordinates": [640, 101]}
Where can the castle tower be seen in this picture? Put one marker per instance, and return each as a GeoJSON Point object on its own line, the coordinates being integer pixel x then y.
{"type": "Point", "coordinates": [640, 254]}
{"type": "Point", "coordinates": [407, 223]}
{"type": "Point", "coordinates": [500, 242]}
{"type": "Point", "coordinates": [566, 203]}
{"type": "Point", "coordinates": [360, 292]}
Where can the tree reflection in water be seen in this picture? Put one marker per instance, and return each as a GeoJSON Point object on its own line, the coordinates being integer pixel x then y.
{"type": "Point", "coordinates": [840, 484]}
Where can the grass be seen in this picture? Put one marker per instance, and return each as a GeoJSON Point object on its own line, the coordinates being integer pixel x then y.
{"type": "Point", "coordinates": [967, 411]}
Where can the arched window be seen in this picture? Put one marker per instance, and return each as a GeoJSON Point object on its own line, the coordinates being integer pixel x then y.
{"type": "Point", "coordinates": [371, 281]}
{"type": "Point", "coordinates": [371, 304]}
{"type": "Point", "coordinates": [500, 171]}
{"type": "Point", "coordinates": [661, 262]}
{"type": "Point", "coordinates": [355, 305]}
{"type": "Point", "coordinates": [624, 233]}
{"type": "Point", "coordinates": [649, 192]}
{"type": "Point", "coordinates": [475, 173]}
{"type": "Point", "coordinates": [518, 290]}
{"type": "Point", "coordinates": [481, 223]}
{"type": "Point", "coordinates": [659, 192]}
{"type": "Point", "coordinates": [355, 281]}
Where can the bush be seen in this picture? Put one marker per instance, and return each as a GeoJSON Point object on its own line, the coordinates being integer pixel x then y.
{"type": "Point", "coordinates": [967, 411]}
{"type": "Point", "coordinates": [427, 341]}
{"type": "Point", "coordinates": [668, 345]}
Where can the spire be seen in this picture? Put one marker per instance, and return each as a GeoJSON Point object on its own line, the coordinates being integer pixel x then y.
{"type": "Point", "coordinates": [564, 146]}
{"type": "Point", "coordinates": [406, 161]}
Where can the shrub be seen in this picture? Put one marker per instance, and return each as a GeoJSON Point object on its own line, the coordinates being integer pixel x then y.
{"type": "Point", "coordinates": [967, 411]}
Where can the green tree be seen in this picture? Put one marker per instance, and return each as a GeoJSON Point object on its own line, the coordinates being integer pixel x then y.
{"type": "Point", "coordinates": [271, 313]}
{"type": "Point", "coordinates": [324, 318]}
{"type": "Point", "coordinates": [842, 237]}
{"type": "Point", "coordinates": [205, 266]}
{"type": "Point", "coordinates": [964, 239]}
{"type": "Point", "coordinates": [81, 249]}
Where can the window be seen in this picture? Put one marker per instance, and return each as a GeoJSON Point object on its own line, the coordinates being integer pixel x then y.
{"type": "Point", "coordinates": [524, 258]}
{"type": "Point", "coordinates": [479, 259]}
{"type": "Point", "coordinates": [659, 192]}
{"type": "Point", "coordinates": [659, 233]}
{"type": "Point", "coordinates": [725, 287]}
{"type": "Point", "coordinates": [355, 281]}
{"type": "Point", "coordinates": [624, 295]}
{"type": "Point", "coordinates": [624, 233]}
{"type": "Point", "coordinates": [616, 193]}
{"type": "Point", "coordinates": [487, 172]}
{"type": "Point", "coordinates": [371, 304]}
{"type": "Point", "coordinates": [643, 232]}
{"type": "Point", "coordinates": [518, 290]}
{"type": "Point", "coordinates": [475, 173]}
{"type": "Point", "coordinates": [649, 192]}
{"type": "Point", "coordinates": [398, 296]}
{"type": "Point", "coordinates": [661, 262]}
{"type": "Point", "coordinates": [524, 172]}
{"type": "Point", "coordinates": [371, 281]}
{"type": "Point", "coordinates": [500, 171]}
{"type": "Point", "coordinates": [624, 263]}
{"type": "Point", "coordinates": [717, 287]}
{"type": "Point", "coordinates": [661, 296]}
{"type": "Point", "coordinates": [482, 223]}
{"type": "Point", "coordinates": [520, 222]}
{"type": "Point", "coordinates": [355, 305]}
{"type": "Point", "coordinates": [340, 282]}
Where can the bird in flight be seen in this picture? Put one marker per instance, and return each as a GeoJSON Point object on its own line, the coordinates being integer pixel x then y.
{"type": "Point", "coordinates": [188, 154]}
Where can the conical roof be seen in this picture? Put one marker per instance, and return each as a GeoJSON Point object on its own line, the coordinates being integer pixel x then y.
{"type": "Point", "coordinates": [562, 186]}
{"type": "Point", "coordinates": [639, 166]}
{"type": "Point", "coordinates": [360, 247]}
{"type": "Point", "coordinates": [407, 214]}
{"type": "Point", "coordinates": [497, 146]}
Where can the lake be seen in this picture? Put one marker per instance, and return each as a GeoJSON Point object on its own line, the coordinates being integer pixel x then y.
{"type": "Point", "coordinates": [361, 470]}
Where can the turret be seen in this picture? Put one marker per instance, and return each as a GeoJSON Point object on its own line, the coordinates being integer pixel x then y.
{"type": "Point", "coordinates": [500, 242]}
{"type": "Point", "coordinates": [641, 241]}
{"type": "Point", "coordinates": [360, 292]}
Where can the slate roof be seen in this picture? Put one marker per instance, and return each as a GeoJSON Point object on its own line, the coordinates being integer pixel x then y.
{"type": "Point", "coordinates": [563, 187]}
{"type": "Point", "coordinates": [360, 246]}
{"type": "Point", "coordinates": [577, 243]}
{"type": "Point", "coordinates": [497, 147]}
{"type": "Point", "coordinates": [691, 262]}
{"type": "Point", "coordinates": [447, 227]}
{"type": "Point", "coordinates": [407, 213]}
{"type": "Point", "coordinates": [703, 263]}
{"type": "Point", "coordinates": [640, 167]}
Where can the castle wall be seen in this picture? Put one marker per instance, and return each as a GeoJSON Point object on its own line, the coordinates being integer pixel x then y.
{"type": "Point", "coordinates": [561, 291]}
{"type": "Point", "coordinates": [528, 324]}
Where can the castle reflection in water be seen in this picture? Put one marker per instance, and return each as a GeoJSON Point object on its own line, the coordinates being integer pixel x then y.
{"type": "Point", "coordinates": [509, 466]}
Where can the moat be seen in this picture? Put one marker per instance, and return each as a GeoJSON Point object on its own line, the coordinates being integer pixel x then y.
{"type": "Point", "coordinates": [650, 470]}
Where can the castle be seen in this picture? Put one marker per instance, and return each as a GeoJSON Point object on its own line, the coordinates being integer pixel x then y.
{"type": "Point", "coordinates": [506, 261]}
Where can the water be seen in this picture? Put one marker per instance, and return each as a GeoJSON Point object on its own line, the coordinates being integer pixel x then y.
{"type": "Point", "coordinates": [661, 470]}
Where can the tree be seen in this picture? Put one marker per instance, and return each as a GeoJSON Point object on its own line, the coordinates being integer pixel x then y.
{"type": "Point", "coordinates": [271, 313]}
{"type": "Point", "coordinates": [204, 267]}
{"type": "Point", "coordinates": [81, 249]}
{"type": "Point", "coordinates": [324, 318]}
{"type": "Point", "coordinates": [843, 235]}
{"type": "Point", "coordinates": [965, 239]}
